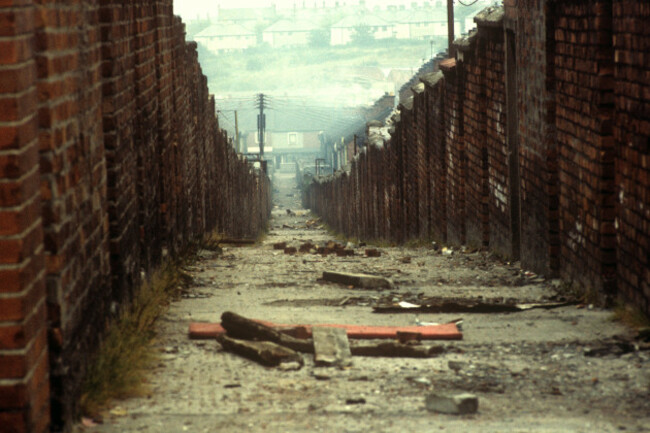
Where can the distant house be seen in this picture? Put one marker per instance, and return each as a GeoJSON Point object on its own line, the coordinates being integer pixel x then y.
{"type": "Point", "coordinates": [223, 38]}
{"type": "Point", "coordinates": [286, 33]}
{"type": "Point", "coordinates": [247, 16]}
{"type": "Point", "coordinates": [425, 23]}
{"type": "Point", "coordinates": [343, 31]}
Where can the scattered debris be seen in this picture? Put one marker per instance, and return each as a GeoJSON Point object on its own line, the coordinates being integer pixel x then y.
{"type": "Point", "coordinates": [447, 331]}
{"type": "Point", "coordinates": [344, 253]}
{"type": "Point", "coordinates": [331, 347]}
{"type": "Point", "coordinates": [279, 245]}
{"type": "Point", "coordinates": [616, 346]}
{"type": "Point", "coordinates": [406, 259]}
{"type": "Point", "coordinates": [456, 366]}
{"type": "Point", "coordinates": [394, 349]}
{"type": "Point", "coordinates": [442, 305]}
{"type": "Point", "coordinates": [290, 250]}
{"type": "Point", "coordinates": [359, 400]}
{"type": "Point", "coordinates": [264, 352]}
{"type": "Point", "coordinates": [240, 327]}
{"type": "Point", "coordinates": [290, 212]}
{"type": "Point", "coordinates": [408, 337]}
{"type": "Point", "coordinates": [460, 404]}
{"type": "Point", "coordinates": [233, 241]}
{"type": "Point", "coordinates": [307, 247]}
{"type": "Point", "coordinates": [358, 280]}
{"type": "Point", "coordinates": [232, 385]}
{"type": "Point", "coordinates": [373, 252]}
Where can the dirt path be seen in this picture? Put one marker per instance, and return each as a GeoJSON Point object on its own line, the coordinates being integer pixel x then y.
{"type": "Point", "coordinates": [528, 369]}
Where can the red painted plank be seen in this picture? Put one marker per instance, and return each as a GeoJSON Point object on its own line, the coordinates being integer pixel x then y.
{"type": "Point", "coordinates": [447, 331]}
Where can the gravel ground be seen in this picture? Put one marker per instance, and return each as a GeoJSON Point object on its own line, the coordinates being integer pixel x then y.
{"type": "Point", "coordinates": [530, 370]}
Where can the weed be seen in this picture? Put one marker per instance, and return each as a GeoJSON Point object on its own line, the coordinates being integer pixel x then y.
{"type": "Point", "coordinates": [630, 315]}
{"type": "Point", "coordinates": [126, 352]}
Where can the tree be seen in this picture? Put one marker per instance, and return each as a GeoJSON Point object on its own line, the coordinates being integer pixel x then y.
{"type": "Point", "coordinates": [319, 38]}
{"type": "Point", "coordinates": [362, 35]}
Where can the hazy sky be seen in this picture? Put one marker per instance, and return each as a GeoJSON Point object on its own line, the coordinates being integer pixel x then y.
{"type": "Point", "coordinates": [193, 8]}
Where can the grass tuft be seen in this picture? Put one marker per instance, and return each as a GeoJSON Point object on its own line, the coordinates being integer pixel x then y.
{"type": "Point", "coordinates": [631, 316]}
{"type": "Point", "coordinates": [126, 352]}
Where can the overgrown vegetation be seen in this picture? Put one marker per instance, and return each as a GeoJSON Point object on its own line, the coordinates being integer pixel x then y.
{"type": "Point", "coordinates": [631, 316]}
{"type": "Point", "coordinates": [126, 352]}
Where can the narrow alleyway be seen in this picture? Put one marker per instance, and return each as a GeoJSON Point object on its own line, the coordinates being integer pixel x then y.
{"type": "Point", "coordinates": [529, 369]}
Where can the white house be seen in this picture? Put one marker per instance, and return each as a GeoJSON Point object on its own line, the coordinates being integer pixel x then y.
{"type": "Point", "coordinates": [343, 31]}
{"type": "Point", "coordinates": [223, 38]}
{"type": "Point", "coordinates": [287, 33]}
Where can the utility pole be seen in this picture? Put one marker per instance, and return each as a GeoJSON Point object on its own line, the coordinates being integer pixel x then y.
{"type": "Point", "coordinates": [237, 148]}
{"type": "Point", "coordinates": [261, 122]}
{"type": "Point", "coordinates": [450, 27]}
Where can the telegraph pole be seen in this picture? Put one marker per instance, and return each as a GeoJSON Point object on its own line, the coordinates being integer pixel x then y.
{"type": "Point", "coordinates": [261, 122]}
{"type": "Point", "coordinates": [450, 27]}
{"type": "Point", "coordinates": [237, 148]}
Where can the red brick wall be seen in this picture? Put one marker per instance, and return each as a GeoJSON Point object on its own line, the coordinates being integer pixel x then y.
{"type": "Point", "coordinates": [455, 159]}
{"type": "Point", "coordinates": [110, 155]}
{"type": "Point", "coordinates": [579, 117]}
{"type": "Point", "coordinates": [24, 389]}
{"type": "Point", "coordinates": [437, 150]}
{"type": "Point", "coordinates": [583, 71]}
{"type": "Point", "coordinates": [497, 149]}
{"type": "Point", "coordinates": [73, 185]}
{"type": "Point", "coordinates": [534, 19]}
{"type": "Point", "coordinates": [631, 132]}
{"type": "Point", "coordinates": [474, 112]}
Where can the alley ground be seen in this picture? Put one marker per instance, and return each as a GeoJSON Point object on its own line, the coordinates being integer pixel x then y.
{"type": "Point", "coordinates": [530, 370]}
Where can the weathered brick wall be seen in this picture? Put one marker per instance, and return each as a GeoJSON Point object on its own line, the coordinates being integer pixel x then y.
{"type": "Point", "coordinates": [420, 159]}
{"type": "Point", "coordinates": [110, 155]}
{"type": "Point", "coordinates": [565, 85]}
{"type": "Point", "coordinates": [437, 150]}
{"type": "Point", "coordinates": [455, 152]}
{"type": "Point", "coordinates": [537, 141]}
{"type": "Point", "coordinates": [24, 383]}
{"type": "Point", "coordinates": [73, 186]}
{"type": "Point", "coordinates": [500, 238]}
{"type": "Point", "coordinates": [472, 50]}
{"type": "Point", "coordinates": [584, 84]}
{"type": "Point", "coordinates": [631, 131]}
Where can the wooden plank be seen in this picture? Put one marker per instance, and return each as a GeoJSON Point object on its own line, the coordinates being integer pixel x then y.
{"type": "Point", "coordinates": [264, 352]}
{"type": "Point", "coordinates": [358, 280]}
{"type": "Point", "coordinates": [446, 331]}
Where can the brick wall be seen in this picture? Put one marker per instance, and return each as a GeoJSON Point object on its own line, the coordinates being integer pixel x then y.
{"type": "Point", "coordinates": [455, 159]}
{"type": "Point", "coordinates": [472, 50]}
{"type": "Point", "coordinates": [498, 166]}
{"type": "Point", "coordinates": [73, 185]}
{"type": "Point", "coordinates": [536, 134]}
{"type": "Point", "coordinates": [110, 155]}
{"type": "Point", "coordinates": [547, 106]}
{"type": "Point", "coordinates": [584, 86]}
{"type": "Point", "coordinates": [437, 149]}
{"type": "Point", "coordinates": [631, 132]}
{"type": "Point", "coordinates": [24, 384]}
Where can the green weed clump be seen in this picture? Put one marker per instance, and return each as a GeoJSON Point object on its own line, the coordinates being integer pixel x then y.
{"type": "Point", "coordinates": [126, 352]}
{"type": "Point", "coordinates": [631, 316]}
